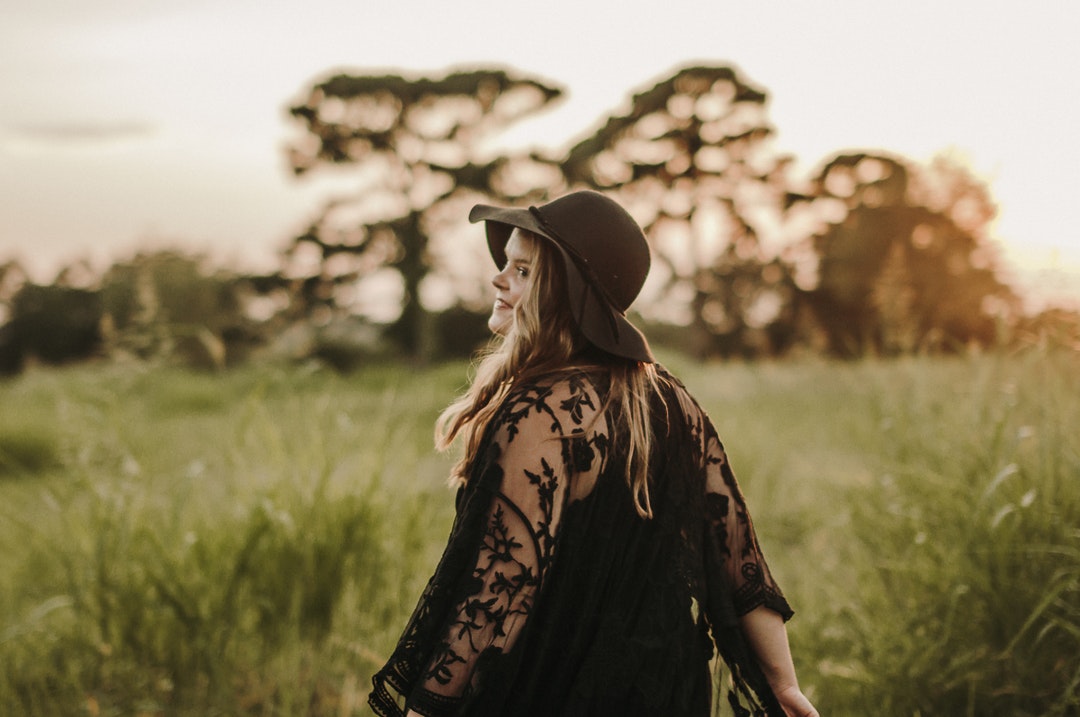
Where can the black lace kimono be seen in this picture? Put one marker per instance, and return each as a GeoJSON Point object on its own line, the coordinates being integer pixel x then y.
{"type": "Point", "coordinates": [553, 597]}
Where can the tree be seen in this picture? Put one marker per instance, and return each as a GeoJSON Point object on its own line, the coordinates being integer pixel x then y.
{"type": "Point", "coordinates": [692, 160]}
{"type": "Point", "coordinates": [416, 145]}
{"type": "Point", "coordinates": [12, 278]}
{"type": "Point", "coordinates": [169, 305]}
{"type": "Point", "coordinates": [54, 323]}
{"type": "Point", "coordinates": [901, 258]}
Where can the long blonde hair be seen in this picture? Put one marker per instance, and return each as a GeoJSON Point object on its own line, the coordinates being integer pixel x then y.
{"type": "Point", "coordinates": [543, 339]}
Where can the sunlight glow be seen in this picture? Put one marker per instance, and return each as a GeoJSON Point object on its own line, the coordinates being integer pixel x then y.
{"type": "Point", "coordinates": [167, 118]}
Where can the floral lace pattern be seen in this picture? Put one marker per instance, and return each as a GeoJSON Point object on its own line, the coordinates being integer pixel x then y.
{"type": "Point", "coordinates": [547, 455]}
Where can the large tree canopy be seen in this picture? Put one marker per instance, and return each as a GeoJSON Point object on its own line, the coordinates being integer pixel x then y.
{"type": "Point", "coordinates": [693, 161]}
{"type": "Point", "coordinates": [873, 254]}
{"type": "Point", "coordinates": [417, 148]}
{"type": "Point", "coordinates": [901, 259]}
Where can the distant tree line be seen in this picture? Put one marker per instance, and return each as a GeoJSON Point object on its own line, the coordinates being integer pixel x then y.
{"type": "Point", "coordinates": [872, 255]}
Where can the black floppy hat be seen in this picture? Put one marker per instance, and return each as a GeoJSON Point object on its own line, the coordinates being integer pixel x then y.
{"type": "Point", "coordinates": [605, 255]}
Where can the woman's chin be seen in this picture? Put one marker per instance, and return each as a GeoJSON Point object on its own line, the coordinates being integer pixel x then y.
{"type": "Point", "coordinates": [499, 325]}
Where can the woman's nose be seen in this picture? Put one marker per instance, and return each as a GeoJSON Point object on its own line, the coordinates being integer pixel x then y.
{"type": "Point", "coordinates": [499, 281]}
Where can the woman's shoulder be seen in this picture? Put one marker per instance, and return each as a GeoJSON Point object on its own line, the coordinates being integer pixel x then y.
{"type": "Point", "coordinates": [572, 380]}
{"type": "Point", "coordinates": [674, 390]}
{"type": "Point", "coordinates": [558, 401]}
{"type": "Point", "coordinates": [595, 381]}
{"type": "Point", "coordinates": [667, 379]}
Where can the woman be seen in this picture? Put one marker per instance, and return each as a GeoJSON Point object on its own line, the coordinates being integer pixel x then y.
{"type": "Point", "coordinates": [601, 549]}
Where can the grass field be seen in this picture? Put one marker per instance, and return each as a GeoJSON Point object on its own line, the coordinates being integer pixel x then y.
{"type": "Point", "coordinates": [253, 542]}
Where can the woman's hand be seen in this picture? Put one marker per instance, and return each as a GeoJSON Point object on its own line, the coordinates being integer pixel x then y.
{"type": "Point", "coordinates": [765, 631]}
{"type": "Point", "coordinates": [795, 703]}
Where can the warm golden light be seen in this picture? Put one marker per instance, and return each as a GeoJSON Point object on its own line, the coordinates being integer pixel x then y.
{"type": "Point", "coordinates": [139, 120]}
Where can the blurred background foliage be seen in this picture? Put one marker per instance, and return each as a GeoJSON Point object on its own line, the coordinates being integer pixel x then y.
{"type": "Point", "coordinates": [873, 254]}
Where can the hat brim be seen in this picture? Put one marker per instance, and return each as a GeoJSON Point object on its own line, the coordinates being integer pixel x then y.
{"type": "Point", "coordinates": [500, 223]}
{"type": "Point", "coordinates": [603, 326]}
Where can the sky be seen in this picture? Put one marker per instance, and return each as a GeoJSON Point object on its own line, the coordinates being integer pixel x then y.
{"type": "Point", "coordinates": [128, 124]}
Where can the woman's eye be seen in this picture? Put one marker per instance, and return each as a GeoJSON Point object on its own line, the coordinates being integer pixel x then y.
{"type": "Point", "coordinates": [523, 272]}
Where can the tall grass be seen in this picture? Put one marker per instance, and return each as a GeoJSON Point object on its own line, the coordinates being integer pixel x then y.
{"type": "Point", "coordinates": [252, 543]}
{"type": "Point", "coordinates": [924, 518]}
{"type": "Point", "coordinates": [214, 545]}
{"type": "Point", "coordinates": [967, 542]}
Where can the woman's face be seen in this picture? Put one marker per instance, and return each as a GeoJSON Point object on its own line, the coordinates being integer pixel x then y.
{"type": "Point", "coordinates": [510, 283]}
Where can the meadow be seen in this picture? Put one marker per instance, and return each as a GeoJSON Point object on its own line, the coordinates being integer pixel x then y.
{"type": "Point", "coordinates": [252, 542]}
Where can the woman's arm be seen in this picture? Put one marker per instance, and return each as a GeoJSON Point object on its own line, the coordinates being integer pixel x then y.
{"type": "Point", "coordinates": [522, 480]}
{"type": "Point", "coordinates": [765, 631]}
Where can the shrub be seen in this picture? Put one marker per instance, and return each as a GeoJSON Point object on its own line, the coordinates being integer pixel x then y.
{"type": "Point", "coordinates": [56, 323]}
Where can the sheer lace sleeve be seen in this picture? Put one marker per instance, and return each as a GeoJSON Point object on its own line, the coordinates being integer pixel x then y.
{"type": "Point", "coordinates": [729, 527]}
{"type": "Point", "coordinates": [544, 442]}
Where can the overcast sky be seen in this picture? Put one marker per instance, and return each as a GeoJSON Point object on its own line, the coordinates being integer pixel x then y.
{"type": "Point", "coordinates": [128, 122]}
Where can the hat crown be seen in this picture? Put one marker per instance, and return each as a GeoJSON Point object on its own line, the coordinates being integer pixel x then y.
{"type": "Point", "coordinates": [604, 238]}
